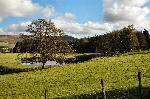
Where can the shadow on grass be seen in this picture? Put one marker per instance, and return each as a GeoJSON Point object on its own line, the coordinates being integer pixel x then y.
{"type": "Point", "coordinates": [9, 70]}
{"type": "Point", "coordinates": [115, 94]}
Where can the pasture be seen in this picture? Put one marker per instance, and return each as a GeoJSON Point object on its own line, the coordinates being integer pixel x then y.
{"type": "Point", "coordinates": [7, 45]}
{"type": "Point", "coordinates": [77, 80]}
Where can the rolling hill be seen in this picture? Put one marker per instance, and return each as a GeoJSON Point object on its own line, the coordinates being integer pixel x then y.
{"type": "Point", "coordinates": [12, 39]}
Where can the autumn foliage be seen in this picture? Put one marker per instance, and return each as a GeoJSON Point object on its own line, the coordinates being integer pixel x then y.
{"type": "Point", "coordinates": [43, 43]}
{"type": "Point", "coordinates": [124, 40]}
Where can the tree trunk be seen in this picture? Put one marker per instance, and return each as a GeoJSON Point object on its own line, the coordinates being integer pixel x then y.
{"type": "Point", "coordinates": [43, 66]}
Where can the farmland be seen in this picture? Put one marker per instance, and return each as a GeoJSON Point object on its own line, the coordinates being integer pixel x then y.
{"type": "Point", "coordinates": [119, 74]}
{"type": "Point", "coordinates": [75, 49]}
{"type": "Point", "coordinates": [12, 39]}
{"type": "Point", "coordinates": [7, 45]}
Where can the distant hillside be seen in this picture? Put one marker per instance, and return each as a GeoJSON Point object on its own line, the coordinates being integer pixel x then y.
{"type": "Point", "coordinates": [12, 39]}
{"type": "Point", "coordinates": [68, 38]}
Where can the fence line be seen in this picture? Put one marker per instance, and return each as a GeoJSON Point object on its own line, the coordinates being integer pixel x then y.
{"type": "Point", "coordinates": [140, 85]}
{"type": "Point", "coordinates": [46, 93]}
{"type": "Point", "coordinates": [103, 89]}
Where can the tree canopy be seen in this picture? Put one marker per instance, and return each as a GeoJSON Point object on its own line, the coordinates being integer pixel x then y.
{"type": "Point", "coordinates": [44, 43]}
{"type": "Point", "coordinates": [119, 41]}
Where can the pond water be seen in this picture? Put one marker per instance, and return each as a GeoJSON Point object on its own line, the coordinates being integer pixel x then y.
{"type": "Point", "coordinates": [47, 63]}
{"type": "Point", "coordinates": [77, 59]}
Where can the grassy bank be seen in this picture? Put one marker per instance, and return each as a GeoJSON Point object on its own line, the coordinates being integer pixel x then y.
{"type": "Point", "coordinates": [119, 74]}
{"type": "Point", "coordinates": [11, 60]}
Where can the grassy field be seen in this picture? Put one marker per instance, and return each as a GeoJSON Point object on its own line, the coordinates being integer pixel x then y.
{"type": "Point", "coordinates": [77, 80]}
{"type": "Point", "coordinates": [7, 44]}
{"type": "Point", "coordinates": [11, 60]}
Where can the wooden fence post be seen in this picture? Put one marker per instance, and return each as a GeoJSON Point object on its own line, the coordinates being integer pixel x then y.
{"type": "Point", "coordinates": [140, 85]}
{"type": "Point", "coordinates": [46, 93]}
{"type": "Point", "coordinates": [103, 89]}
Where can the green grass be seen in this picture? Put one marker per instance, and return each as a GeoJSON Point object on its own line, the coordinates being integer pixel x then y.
{"type": "Point", "coordinates": [11, 60]}
{"type": "Point", "coordinates": [7, 44]}
{"type": "Point", "coordinates": [119, 74]}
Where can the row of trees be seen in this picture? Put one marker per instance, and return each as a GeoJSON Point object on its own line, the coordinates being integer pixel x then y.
{"type": "Point", "coordinates": [119, 41]}
{"type": "Point", "coordinates": [44, 42]}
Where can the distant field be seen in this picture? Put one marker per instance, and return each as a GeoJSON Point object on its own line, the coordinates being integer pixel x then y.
{"type": "Point", "coordinates": [9, 38]}
{"type": "Point", "coordinates": [7, 45]}
{"type": "Point", "coordinates": [119, 74]}
{"type": "Point", "coordinates": [11, 60]}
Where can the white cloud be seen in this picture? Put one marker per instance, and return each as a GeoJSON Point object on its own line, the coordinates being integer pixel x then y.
{"type": "Point", "coordinates": [48, 11]}
{"type": "Point", "coordinates": [117, 14]}
{"type": "Point", "coordinates": [97, 28]}
{"type": "Point", "coordinates": [89, 28]}
{"type": "Point", "coordinates": [2, 32]}
{"type": "Point", "coordinates": [67, 24]}
{"type": "Point", "coordinates": [17, 28]}
{"type": "Point", "coordinates": [125, 12]}
{"type": "Point", "coordinates": [125, 2]}
{"type": "Point", "coordinates": [22, 8]}
{"type": "Point", "coordinates": [70, 15]}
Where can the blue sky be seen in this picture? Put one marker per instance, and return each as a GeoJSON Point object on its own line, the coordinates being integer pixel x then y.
{"type": "Point", "coordinates": [85, 10]}
{"type": "Point", "coordinates": [78, 18]}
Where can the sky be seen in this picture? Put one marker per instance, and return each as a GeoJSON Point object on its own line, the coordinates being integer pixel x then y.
{"type": "Point", "coordinates": [77, 18]}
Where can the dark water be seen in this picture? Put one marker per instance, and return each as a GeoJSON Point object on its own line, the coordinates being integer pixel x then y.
{"type": "Point", "coordinates": [77, 59]}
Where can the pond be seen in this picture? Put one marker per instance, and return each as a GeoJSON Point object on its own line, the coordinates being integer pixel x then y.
{"type": "Point", "coordinates": [77, 59]}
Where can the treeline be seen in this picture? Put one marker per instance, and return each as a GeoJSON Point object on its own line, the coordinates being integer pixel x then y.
{"type": "Point", "coordinates": [120, 41]}
{"type": "Point", "coordinates": [24, 45]}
